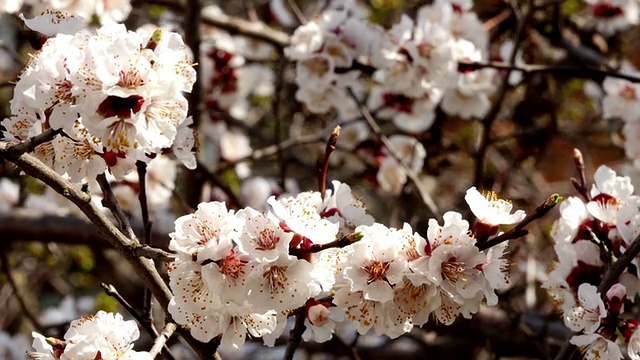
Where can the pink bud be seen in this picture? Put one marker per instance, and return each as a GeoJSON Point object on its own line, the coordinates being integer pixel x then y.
{"type": "Point", "coordinates": [318, 315]}
{"type": "Point", "coordinates": [616, 296]}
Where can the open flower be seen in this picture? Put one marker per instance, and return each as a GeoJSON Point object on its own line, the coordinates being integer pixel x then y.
{"type": "Point", "coordinates": [491, 210]}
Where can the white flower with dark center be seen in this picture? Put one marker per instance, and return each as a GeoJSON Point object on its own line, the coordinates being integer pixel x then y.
{"type": "Point", "coordinates": [414, 298]}
{"type": "Point", "coordinates": [384, 318]}
{"type": "Point", "coordinates": [456, 269]}
{"type": "Point", "coordinates": [306, 40]}
{"type": "Point", "coordinates": [573, 213]}
{"type": "Point", "coordinates": [614, 15]}
{"type": "Point", "coordinates": [622, 98]}
{"type": "Point", "coordinates": [242, 320]}
{"type": "Point", "coordinates": [128, 89]}
{"type": "Point", "coordinates": [203, 327]}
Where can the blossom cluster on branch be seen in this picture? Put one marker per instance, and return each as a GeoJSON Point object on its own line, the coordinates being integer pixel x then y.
{"type": "Point", "coordinates": [244, 272]}
{"type": "Point", "coordinates": [591, 233]}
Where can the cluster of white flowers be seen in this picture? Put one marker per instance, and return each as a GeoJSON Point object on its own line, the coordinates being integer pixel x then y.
{"type": "Point", "coordinates": [415, 63]}
{"type": "Point", "coordinates": [100, 336]}
{"type": "Point", "coordinates": [106, 11]}
{"type": "Point", "coordinates": [412, 69]}
{"type": "Point", "coordinates": [117, 96]}
{"type": "Point", "coordinates": [587, 236]}
{"type": "Point", "coordinates": [244, 272]}
{"type": "Point", "coordinates": [612, 16]}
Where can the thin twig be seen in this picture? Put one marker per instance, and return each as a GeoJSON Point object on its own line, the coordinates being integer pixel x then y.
{"type": "Point", "coordinates": [277, 129]}
{"type": "Point", "coordinates": [110, 202]}
{"type": "Point", "coordinates": [142, 266]}
{"type": "Point", "coordinates": [422, 192]}
{"type": "Point", "coordinates": [297, 11]}
{"type": "Point", "coordinates": [491, 115]}
{"type": "Point", "coordinates": [518, 230]}
{"type": "Point", "coordinates": [581, 183]}
{"type": "Point", "coordinates": [219, 182]}
{"type": "Point", "coordinates": [6, 269]}
{"type": "Point", "coordinates": [161, 340]}
{"type": "Point", "coordinates": [141, 166]}
{"type": "Point", "coordinates": [583, 72]}
{"type": "Point", "coordinates": [338, 243]}
{"type": "Point", "coordinates": [144, 205]}
{"type": "Point", "coordinates": [153, 253]}
{"type": "Point", "coordinates": [322, 166]}
{"type": "Point", "coordinates": [149, 327]}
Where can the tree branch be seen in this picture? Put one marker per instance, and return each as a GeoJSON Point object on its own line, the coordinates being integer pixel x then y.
{"type": "Point", "coordinates": [143, 267]}
{"type": "Point", "coordinates": [583, 72]}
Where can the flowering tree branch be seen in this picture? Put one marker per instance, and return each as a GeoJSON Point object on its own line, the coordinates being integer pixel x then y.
{"type": "Point", "coordinates": [143, 267]}
{"type": "Point", "coordinates": [147, 309]}
{"type": "Point", "coordinates": [149, 327]}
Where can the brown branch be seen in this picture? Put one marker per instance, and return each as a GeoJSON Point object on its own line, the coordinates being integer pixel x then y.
{"type": "Point", "coordinates": [234, 25]}
{"type": "Point", "coordinates": [6, 269]}
{"type": "Point", "coordinates": [252, 29]}
{"type": "Point", "coordinates": [143, 267]}
{"type": "Point", "coordinates": [582, 72]}
{"type": "Point", "coordinates": [110, 202]}
{"type": "Point", "coordinates": [295, 335]}
{"type": "Point", "coordinates": [338, 243]}
{"type": "Point", "coordinates": [153, 253]}
{"type": "Point", "coordinates": [31, 143]}
{"type": "Point", "coordinates": [33, 225]}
